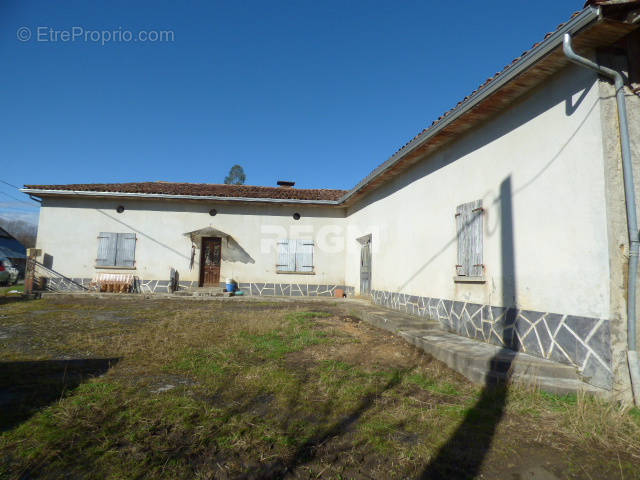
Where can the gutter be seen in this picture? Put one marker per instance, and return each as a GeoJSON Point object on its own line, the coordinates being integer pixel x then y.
{"type": "Point", "coordinates": [38, 192]}
{"type": "Point", "coordinates": [630, 201]}
{"type": "Point", "coordinates": [580, 21]}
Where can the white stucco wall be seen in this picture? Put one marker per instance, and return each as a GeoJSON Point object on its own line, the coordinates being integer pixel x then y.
{"type": "Point", "coordinates": [538, 168]}
{"type": "Point", "coordinates": [544, 156]}
{"type": "Point", "coordinates": [69, 227]}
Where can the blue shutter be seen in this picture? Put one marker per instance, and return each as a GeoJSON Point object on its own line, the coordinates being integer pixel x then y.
{"type": "Point", "coordinates": [106, 249]}
{"type": "Point", "coordinates": [126, 250]}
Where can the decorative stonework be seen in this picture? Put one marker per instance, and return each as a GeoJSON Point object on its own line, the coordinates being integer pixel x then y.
{"type": "Point", "coordinates": [582, 342]}
{"type": "Point", "coordinates": [162, 286]}
{"type": "Point", "coordinates": [159, 286]}
{"type": "Point", "coordinates": [292, 289]}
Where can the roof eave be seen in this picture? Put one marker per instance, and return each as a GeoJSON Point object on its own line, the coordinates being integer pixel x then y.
{"type": "Point", "coordinates": [579, 22]}
{"type": "Point", "coordinates": [81, 193]}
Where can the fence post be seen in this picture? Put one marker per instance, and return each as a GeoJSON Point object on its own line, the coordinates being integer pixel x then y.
{"type": "Point", "coordinates": [30, 269]}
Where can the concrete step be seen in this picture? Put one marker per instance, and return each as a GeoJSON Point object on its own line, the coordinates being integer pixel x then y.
{"type": "Point", "coordinates": [480, 362]}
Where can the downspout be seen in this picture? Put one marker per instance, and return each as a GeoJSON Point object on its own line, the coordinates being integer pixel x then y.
{"type": "Point", "coordinates": [630, 200]}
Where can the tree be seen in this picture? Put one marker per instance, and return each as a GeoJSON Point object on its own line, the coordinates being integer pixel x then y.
{"type": "Point", "coordinates": [236, 176]}
{"type": "Point", "coordinates": [23, 231]}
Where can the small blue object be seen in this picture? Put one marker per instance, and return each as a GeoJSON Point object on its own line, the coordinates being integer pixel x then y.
{"type": "Point", "coordinates": [231, 287]}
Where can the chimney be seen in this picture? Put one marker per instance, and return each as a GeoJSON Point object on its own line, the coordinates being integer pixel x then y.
{"type": "Point", "coordinates": [285, 184]}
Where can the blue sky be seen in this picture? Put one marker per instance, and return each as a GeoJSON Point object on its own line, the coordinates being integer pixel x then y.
{"type": "Point", "coordinates": [316, 92]}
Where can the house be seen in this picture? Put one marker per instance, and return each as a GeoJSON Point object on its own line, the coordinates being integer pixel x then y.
{"type": "Point", "coordinates": [505, 219]}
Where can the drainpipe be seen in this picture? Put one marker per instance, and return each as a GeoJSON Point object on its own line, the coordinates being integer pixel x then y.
{"type": "Point", "coordinates": [630, 200]}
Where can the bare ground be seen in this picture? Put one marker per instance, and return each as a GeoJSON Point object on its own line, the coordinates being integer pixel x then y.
{"type": "Point", "coordinates": [120, 388]}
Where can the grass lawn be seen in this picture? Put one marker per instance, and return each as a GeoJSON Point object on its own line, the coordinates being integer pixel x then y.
{"type": "Point", "coordinates": [180, 389]}
{"type": "Point", "coordinates": [5, 290]}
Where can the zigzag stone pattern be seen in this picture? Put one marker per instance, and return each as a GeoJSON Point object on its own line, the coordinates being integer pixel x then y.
{"type": "Point", "coordinates": [61, 284]}
{"type": "Point", "coordinates": [583, 342]}
{"type": "Point", "coordinates": [292, 289]}
{"type": "Point", "coordinates": [162, 286]}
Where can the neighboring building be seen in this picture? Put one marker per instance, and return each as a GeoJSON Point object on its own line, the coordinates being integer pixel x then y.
{"type": "Point", "coordinates": [12, 249]}
{"type": "Point", "coordinates": [505, 219]}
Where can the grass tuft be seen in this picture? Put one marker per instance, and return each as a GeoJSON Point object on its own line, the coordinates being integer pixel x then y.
{"type": "Point", "coordinates": [432, 385]}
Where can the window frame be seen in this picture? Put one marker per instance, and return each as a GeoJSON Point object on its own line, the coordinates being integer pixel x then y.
{"type": "Point", "coordinates": [117, 242]}
{"type": "Point", "coordinates": [295, 258]}
{"type": "Point", "coordinates": [470, 243]}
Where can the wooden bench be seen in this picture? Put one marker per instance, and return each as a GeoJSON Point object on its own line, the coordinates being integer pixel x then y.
{"type": "Point", "coordinates": [113, 282]}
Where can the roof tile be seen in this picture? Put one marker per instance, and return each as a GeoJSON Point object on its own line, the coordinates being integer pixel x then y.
{"type": "Point", "coordinates": [200, 189]}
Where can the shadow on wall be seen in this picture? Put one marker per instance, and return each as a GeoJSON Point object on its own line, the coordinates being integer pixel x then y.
{"type": "Point", "coordinates": [26, 387]}
{"type": "Point", "coordinates": [461, 457]}
{"type": "Point", "coordinates": [47, 261]}
{"type": "Point", "coordinates": [149, 237]}
{"type": "Point", "coordinates": [499, 199]}
{"type": "Point", "coordinates": [233, 252]}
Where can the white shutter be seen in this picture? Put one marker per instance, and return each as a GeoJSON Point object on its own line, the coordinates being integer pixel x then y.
{"type": "Point", "coordinates": [286, 256]}
{"type": "Point", "coordinates": [304, 256]}
{"type": "Point", "coordinates": [106, 249]}
{"type": "Point", "coordinates": [126, 250]}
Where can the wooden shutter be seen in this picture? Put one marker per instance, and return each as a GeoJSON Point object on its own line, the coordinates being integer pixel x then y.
{"type": "Point", "coordinates": [126, 250]}
{"type": "Point", "coordinates": [106, 249]}
{"type": "Point", "coordinates": [304, 256]}
{"type": "Point", "coordinates": [469, 230]}
{"type": "Point", "coordinates": [286, 256]}
{"type": "Point", "coordinates": [476, 268]}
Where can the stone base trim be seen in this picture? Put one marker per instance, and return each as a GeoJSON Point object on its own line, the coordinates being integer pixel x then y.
{"type": "Point", "coordinates": [162, 286]}
{"type": "Point", "coordinates": [61, 284]}
{"type": "Point", "coordinates": [293, 289]}
{"type": "Point", "coordinates": [583, 342]}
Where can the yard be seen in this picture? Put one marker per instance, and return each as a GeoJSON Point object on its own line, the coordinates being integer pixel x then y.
{"type": "Point", "coordinates": [182, 389]}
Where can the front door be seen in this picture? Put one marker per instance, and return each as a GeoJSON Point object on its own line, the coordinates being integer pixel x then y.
{"type": "Point", "coordinates": [210, 261]}
{"type": "Point", "coordinates": [365, 267]}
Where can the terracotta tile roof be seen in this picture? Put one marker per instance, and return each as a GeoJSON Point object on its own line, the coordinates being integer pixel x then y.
{"type": "Point", "coordinates": [200, 189]}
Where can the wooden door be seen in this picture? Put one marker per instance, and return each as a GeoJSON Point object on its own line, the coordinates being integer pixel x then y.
{"type": "Point", "coordinates": [210, 256]}
{"type": "Point", "coordinates": [365, 268]}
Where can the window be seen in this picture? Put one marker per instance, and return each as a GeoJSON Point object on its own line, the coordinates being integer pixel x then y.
{"type": "Point", "coordinates": [469, 228]}
{"type": "Point", "coordinates": [116, 250]}
{"type": "Point", "coordinates": [295, 256]}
